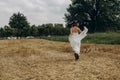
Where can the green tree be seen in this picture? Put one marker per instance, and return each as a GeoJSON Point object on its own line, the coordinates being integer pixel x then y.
{"type": "Point", "coordinates": [58, 29]}
{"type": "Point", "coordinates": [97, 15]}
{"type": "Point", "coordinates": [19, 22]}
{"type": "Point", "coordinates": [52, 29]}
{"type": "Point", "coordinates": [2, 32]}
{"type": "Point", "coordinates": [58, 25]}
{"type": "Point", "coordinates": [8, 31]}
{"type": "Point", "coordinates": [33, 30]}
{"type": "Point", "coordinates": [41, 29]}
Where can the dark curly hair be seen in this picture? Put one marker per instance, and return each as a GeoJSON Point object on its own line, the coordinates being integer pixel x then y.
{"type": "Point", "coordinates": [75, 23]}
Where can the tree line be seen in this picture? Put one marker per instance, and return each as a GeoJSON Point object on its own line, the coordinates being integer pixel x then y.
{"type": "Point", "coordinates": [36, 31]}
{"type": "Point", "coordinates": [20, 27]}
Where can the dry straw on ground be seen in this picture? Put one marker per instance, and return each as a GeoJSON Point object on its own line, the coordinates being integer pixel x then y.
{"type": "Point", "coordinates": [37, 59]}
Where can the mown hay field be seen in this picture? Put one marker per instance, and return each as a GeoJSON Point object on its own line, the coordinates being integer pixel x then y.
{"type": "Point", "coordinates": [39, 59]}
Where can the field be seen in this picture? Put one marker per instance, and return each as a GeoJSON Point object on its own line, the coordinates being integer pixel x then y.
{"type": "Point", "coordinates": [39, 59]}
{"type": "Point", "coordinates": [98, 38]}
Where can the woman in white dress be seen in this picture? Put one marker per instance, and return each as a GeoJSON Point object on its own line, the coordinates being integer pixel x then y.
{"type": "Point", "coordinates": [75, 37]}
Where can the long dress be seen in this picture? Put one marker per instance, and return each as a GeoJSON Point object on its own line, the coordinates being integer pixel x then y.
{"type": "Point", "coordinates": [75, 40]}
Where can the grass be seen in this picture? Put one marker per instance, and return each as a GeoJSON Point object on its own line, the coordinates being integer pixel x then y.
{"type": "Point", "coordinates": [98, 38]}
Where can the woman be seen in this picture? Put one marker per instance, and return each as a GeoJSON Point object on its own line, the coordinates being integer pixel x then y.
{"type": "Point", "coordinates": [75, 37]}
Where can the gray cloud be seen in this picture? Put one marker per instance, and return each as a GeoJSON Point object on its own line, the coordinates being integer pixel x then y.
{"type": "Point", "coordinates": [36, 11]}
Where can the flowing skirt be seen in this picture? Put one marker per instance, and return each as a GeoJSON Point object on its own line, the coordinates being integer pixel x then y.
{"type": "Point", "coordinates": [75, 40]}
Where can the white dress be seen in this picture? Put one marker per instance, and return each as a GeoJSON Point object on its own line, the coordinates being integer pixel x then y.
{"type": "Point", "coordinates": [75, 40]}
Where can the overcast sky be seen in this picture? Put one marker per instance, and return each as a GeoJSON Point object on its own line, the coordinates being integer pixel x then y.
{"type": "Point", "coordinates": [36, 11]}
